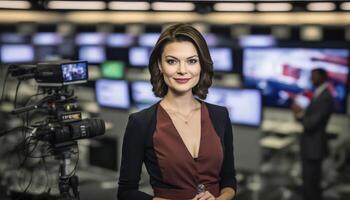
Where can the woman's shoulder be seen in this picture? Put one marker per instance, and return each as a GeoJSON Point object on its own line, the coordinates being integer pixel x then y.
{"type": "Point", "coordinates": [215, 108]}
{"type": "Point", "coordinates": [146, 113]}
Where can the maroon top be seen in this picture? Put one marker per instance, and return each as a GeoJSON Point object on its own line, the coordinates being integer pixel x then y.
{"type": "Point", "coordinates": [178, 167]}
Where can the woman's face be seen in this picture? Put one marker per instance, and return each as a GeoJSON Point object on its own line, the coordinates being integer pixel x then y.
{"type": "Point", "coordinates": [180, 66]}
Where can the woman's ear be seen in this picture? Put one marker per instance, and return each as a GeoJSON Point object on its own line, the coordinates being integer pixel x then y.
{"type": "Point", "coordinates": [159, 67]}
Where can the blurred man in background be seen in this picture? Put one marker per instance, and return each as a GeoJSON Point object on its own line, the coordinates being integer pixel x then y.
{"type": "Point", "coordinates": [313, 141]}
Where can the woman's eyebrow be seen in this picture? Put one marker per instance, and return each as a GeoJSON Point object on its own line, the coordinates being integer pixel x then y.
{"type": "Point", "coordinates": [192, 56]}
{"type": "Point", "coordinates": [177, 58]}
{"type": "Point", "coordinates": [171, 56]}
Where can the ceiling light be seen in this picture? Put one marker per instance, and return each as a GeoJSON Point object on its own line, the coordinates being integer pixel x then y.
{"type": "Point", "coordinates": [234, 7]}
{"type": "Point", "coordinates": [345, 6]}
{"type": "Point", "coordinates": [15, 4]}
{"type": "Point", "coordinates": [321, 6]}
{"type": "Point", "coordinates": [274, 7]}
{"type": "Point", "coordinates": [77, 5]}
{"type": "Point", "coordinates": [128, 5]}
{"type": "Point", "coordinates": [311, 33]}
{"type": "Point", "coordinates": [172, 6]}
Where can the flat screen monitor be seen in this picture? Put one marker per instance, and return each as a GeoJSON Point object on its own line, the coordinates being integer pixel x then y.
{"type": "Point", "coordinates": [148, 39]}
{"type": "Point", "coordinates": [222, 59]}
{"type": "Point", "coordinates": [142, 94]}
{"type": "Point", "coordinates": [257, 41]}
{"type": "Point", "coordinates": [282, 73]}
{"type": "Point", "coordinates": [112, 93]}
{"type": "Point", "coordinates": [113, 69]}
{"type": "Point", "coordinates": [117, 53]}
{"type": "Point", "coordinates": [14, 53]}
{"type": "Point", "coordinates": [47, 38]}
{"type": "Point", "coordinates": [47, 53]}
{"type": "Point", "coordinates": [244, 105]}
{"type": "Point", "coordinates": [90, 38]}
{"type": "Point", "coordinates": [92, 54]}
{"type": "Point", "coordinates": [120, 40]}
{"type": "Point", "coordinates": [139, 56]}
{"type": "Point", "coordinates": [211, 39]}
{"type": "Point", "coordinates": [14, 38]}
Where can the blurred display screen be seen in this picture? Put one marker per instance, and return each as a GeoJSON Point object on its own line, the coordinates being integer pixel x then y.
{"type": "Point", "coordinates": [47, 53]}
{"type": "Point", "coordinates": [148, 39]}
{"type": "Point", "coordinates": [113, 69]}
{"type": "Point", "coordinates": [282, 73]}
{"type": "Point", "coordinates": [222, 58]}
{"type": "Point", "coordinates": [74, 72]}
{"type": "Point", "coordinates": [47, 39]}
{"type": "Point", "coordinates": [17, 53]}
{"type": "Point", "coordinates": [14, 38]}
{"type": "Point", "coordinates": [244, 105]}
{"type": "Point", "coordinates": [139, 56]}
{"type": "Point", "coordinates": [92, 54]}
{"type": "Point", "coordinates": [90, 38]}
{"type": "Point", "coordinates": [211, 39]}
{"type": "Point", "coordinates": [257, 41]}
{"type": "Point", "coordinates": [112, 93]}
{"type": "Point", "coordinates": [120, 40]}
{"type": "Point", "coordinates": [142, 94]}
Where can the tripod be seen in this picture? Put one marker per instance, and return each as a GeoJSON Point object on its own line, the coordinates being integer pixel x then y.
{"type": "Point", "coordinates": [66, 182]}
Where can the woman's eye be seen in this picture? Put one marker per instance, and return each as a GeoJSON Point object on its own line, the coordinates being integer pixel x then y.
{"type": "Point", "coordinates": [192, 61]}
{"type": "Point", "coordinates": [171, 62]}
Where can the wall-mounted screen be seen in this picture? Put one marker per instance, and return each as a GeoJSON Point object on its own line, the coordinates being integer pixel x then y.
{"type": "Point", "coordinates": [112, 93]}
{"type": "Point", "coordinates": [16, 53]}
{"type": "Point", "coordinates": [139, 56]}
{"type": "Point", "coordinates": [257, 41]}
{"type": "Point", "coordinates": [148, 39]}
{"type": "Point", "coordinates": [113, 69]}
{"type": "Point", "coordinates": [282, 73]}
{"type": "Point", "coordinates": [244, 105]}
{"type": "Point", "coordinates": [211, 39]}
{"type": "Point", "coordinates": [222, 59]}
{"type": "Point", "coordinates": [142, 94]}
{"type": "Point", "coordinates": [90, 38]}
{"type": "Point", "coordinates": [47, 53]}
{"type": "Point", "coordinates": [120, 40]}
{"type": "Point", "coordinates": [47, 38]}
{"type": "Point", "coordinates": [14, 38]}
{"type": "Point", "coordinates": [92, 54]}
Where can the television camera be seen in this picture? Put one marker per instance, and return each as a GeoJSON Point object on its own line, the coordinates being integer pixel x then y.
{"type": "Point", "coordinates": [63, 124]}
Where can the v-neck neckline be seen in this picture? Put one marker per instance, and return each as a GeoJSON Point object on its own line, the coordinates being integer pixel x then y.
{"type": "Point", "coordinates": [178, 136]}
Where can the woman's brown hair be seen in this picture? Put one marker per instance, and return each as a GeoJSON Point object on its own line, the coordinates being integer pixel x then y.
{"type": "Point", "coordinates": [179, 33]}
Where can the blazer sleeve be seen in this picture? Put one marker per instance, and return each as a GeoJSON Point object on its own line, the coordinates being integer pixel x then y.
{"type": "Point", "coordinates": [228, 173]}
{"type": "Point", "coordinates": [314, 119]}
{"type": "Point", "coordinates": [131, 164]}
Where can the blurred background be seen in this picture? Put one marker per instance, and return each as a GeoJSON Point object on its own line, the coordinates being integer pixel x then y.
{"type": "Point", "coordinates": [263, 53]}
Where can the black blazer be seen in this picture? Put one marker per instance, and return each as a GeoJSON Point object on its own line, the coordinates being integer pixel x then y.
{"type": "Point", "coordinates": [138, 148]}
{"type": "Point", "coordinates": [313, 140]}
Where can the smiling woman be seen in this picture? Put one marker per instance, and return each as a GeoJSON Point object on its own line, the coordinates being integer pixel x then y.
{"type": "Point", "coordinates": [180, 67]}
{"type": "Point", "coordinates": [185, 143]}
{"type": "Point", "coordinates": [181, 33]}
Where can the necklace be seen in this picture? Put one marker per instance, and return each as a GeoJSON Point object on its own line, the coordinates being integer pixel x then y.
{"type": "Point", "coordinates": [185, 118]}
{"type": "Point", "coordinates": [182, 117]}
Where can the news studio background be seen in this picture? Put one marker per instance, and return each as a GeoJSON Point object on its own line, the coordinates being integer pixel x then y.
{"type": "Point", "coordinates": [263, 54]}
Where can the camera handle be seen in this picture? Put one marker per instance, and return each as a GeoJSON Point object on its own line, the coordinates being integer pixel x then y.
{"type": "Point", "coordinates": [66, 182]}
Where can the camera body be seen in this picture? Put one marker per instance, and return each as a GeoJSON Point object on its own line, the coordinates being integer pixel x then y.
{"type": "Point", "coordinates": [52, 74]}
{"type": "Point", "coordinates": [63, 122]}
{"type": "Point", "coordinates": [57, 74]}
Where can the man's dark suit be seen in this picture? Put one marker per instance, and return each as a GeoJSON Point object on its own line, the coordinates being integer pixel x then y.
{"type": "Point", "coordinates": [313, 143]}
